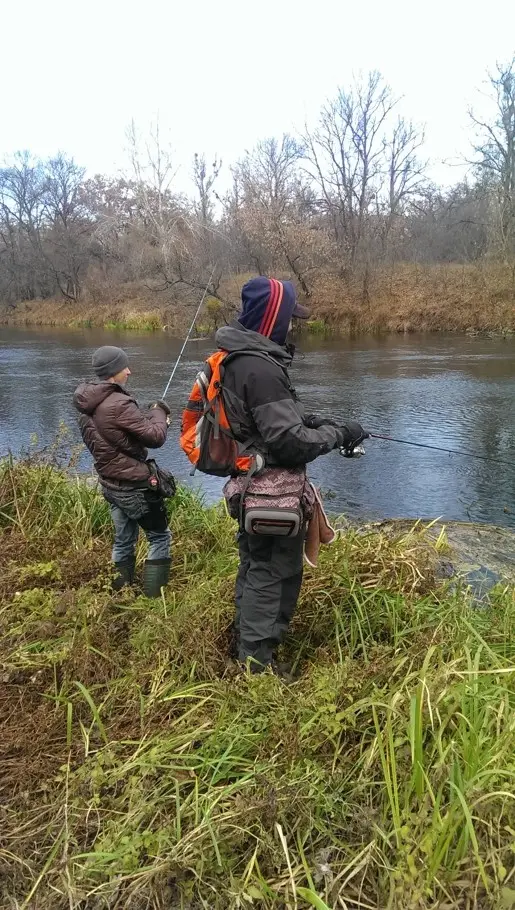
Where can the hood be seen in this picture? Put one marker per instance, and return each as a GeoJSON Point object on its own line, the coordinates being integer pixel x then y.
{"type": "Point", "coordinates": [88, 395]}
{"type": "Point", "coordinates": [267, 307]}
{"type": "Point", "coordinates": [235, 337]}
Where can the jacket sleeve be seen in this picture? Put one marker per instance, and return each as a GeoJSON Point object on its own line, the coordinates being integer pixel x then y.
{"type": "Point", "coordinates": [149, 428]}
{"type": "Point", "coordinates": [280, 420]}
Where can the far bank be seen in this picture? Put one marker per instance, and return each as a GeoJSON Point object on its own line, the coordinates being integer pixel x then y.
{"type": "Point", "coordinates": [401, 298]}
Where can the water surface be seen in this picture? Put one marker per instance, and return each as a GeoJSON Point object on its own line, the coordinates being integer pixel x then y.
{"type": "Point", "coordinates": [456, 392]}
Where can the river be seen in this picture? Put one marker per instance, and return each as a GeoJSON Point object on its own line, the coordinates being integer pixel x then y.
{"type": "Point", "coordinates": [444, 390]}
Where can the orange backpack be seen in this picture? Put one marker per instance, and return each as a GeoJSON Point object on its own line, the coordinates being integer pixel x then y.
{"type": "Point", "coordinates": [206, 435]}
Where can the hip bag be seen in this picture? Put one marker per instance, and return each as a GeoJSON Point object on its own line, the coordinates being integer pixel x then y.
{"type": "Point", "coordinates": [160, 480]}
{"type": "Point", "coordinates": [274, 503]}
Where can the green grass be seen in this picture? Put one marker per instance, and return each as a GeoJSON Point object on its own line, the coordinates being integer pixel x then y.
{"type": "Point", "coordinates": [203, 330]}
{"type": "Point", "coordinates": [318, 327]}
{"type": "Point", "coordinates": [139, 768]}
{"type": "Point", "coordinates": [146, 322]}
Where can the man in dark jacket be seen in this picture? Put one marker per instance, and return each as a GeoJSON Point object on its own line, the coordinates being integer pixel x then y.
{"type": "Point", "coordinates": [117, 433]}
{"type": "Point", "coordinates": [262, 406]}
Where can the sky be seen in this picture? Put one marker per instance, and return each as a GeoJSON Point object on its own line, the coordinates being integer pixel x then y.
{"type": "Point", "coordinates": [221, 75]}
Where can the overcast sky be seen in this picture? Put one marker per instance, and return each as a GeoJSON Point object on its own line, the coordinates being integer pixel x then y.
{"type": "Point", "coordinates": [222, 75]}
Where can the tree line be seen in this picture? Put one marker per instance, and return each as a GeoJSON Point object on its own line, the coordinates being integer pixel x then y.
{"type": "Point", "coordinates": [345, 196]}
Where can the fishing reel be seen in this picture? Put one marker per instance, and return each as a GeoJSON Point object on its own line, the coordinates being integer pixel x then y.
{"type": "Point", "coordinates": [352, 451]}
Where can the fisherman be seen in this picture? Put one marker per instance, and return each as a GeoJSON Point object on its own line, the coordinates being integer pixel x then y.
{"type": "Point", "coordinates": [117, 433]}
{"type": "Point", "coordinates": [263, 409]}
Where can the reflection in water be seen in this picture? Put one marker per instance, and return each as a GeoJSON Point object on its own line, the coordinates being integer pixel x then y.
{"type": "Point", "coordinates": [456, 392]}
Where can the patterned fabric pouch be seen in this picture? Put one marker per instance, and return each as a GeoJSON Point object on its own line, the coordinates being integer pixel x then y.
{"type": "Point", "coordinates": [277, 501]}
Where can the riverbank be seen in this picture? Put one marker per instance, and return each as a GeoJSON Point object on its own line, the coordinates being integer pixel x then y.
{"type": "Point", "coordinates": [402, 298]}
{"type": "Point", "coordinates": [140, 768]}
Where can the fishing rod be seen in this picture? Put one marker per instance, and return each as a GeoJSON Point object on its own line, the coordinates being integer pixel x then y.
{"type": "Point", "coordinates": [181, 352]}
{"type": "Point", "coordinates": [426, 445]}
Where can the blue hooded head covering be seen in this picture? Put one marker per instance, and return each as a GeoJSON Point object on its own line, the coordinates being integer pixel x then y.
{"type": "Point", "coordinates": [268, 306]}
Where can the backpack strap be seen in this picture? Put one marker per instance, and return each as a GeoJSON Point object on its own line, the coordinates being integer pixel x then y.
{"type": "Point", "coordinates": [233, 354]}
{"type": "Point", "coordinates": [242, 446]}
{"type": "Point", "coordinates": [203, 382]}
{"type": "Point", "coordinates": [216, 427]}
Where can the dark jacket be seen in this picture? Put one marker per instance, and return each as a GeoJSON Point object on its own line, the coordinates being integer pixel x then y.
{"type": "Point", "coordinates": [117, 432]}
{"type": "Point", "coordinates": [261, 404]}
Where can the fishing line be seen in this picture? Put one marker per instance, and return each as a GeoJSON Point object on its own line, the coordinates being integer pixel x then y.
{"type": "Point", "coordinates": [181, 352]}
{"type": "Point", "coordinates": [425, 445]}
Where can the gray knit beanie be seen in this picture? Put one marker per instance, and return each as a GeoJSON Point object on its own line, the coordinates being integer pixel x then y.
{"type": "Point", "coordinates": [108, 361]}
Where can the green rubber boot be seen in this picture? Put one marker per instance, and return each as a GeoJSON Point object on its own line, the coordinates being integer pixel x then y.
{"type": "Point", "coordinates": [155, 576]}
{"type": "Point", "coordinates": [124, 573]}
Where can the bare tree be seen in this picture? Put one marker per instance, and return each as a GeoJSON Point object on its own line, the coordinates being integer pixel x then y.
{"type": "Point", "coordinates": [204, 180]}
{"type": "Point", "coordinates": [172, 237]}
{"type": "Point", "coordinates": [405, 176]}
{"type": "Point", "coordinates": [269, 174]}
{"type": "Point", "coordinates": [22, 218]}
{"type": "Point", "coordinates": [450, 226]}
{"type": "Point", "coordinates": [161, 211]}
{"type": "Point", "coordinates": [345, 159]}
{"type": "Point", "coordinates": [67, 228]}
{"type": "Point", "coordinates": [495, 151]}
{"type": "Point", "coordinates": [270, 211]}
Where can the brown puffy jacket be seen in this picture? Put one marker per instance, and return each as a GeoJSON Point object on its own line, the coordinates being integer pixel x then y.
{"type": "Point", "coordinates": [117, 432]}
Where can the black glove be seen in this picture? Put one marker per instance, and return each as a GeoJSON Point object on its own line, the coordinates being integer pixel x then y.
{"type": "Point", "coordinates": [161, 404]}
{"type": "Point", "coordinates": [312, 422]}
{"type": "Point", "coordinates": [352, 433]}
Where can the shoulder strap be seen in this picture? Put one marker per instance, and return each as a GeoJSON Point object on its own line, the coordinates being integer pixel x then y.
{"type": "Point", "coordinates": [264, 356]}
{"type": "Point", "coordinates": [269, 359]}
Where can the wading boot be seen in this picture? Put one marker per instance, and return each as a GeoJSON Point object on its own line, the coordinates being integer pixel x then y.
{"type": "Point", "coordinates": [124, 573]}
{"type": "Point", "coordinates": [155, 576]}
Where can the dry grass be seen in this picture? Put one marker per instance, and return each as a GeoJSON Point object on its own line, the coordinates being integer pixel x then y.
{"type": "Point", "coordinates": [409, 298]}
{"type": "Point", "coordinates": [402, 298]}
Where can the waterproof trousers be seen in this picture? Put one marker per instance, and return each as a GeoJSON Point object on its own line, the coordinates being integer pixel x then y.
{"type": "Point", "coordinates": [267, 589]}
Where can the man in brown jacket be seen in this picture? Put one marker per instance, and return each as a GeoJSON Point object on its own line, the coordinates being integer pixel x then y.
{"type": "Point", "coordinates": [117, 433]}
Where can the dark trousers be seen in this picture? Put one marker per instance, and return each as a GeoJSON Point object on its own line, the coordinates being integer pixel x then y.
{"type": "Point", "coordinates": [267, 589]}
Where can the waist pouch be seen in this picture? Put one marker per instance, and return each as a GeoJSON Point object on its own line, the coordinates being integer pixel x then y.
{"type": "Point", "coordinates": [161, 481]}
{"type": "Point", "coordinates": [134, 503]}
{"type": "Point", "coordinates": [276, 502]}
{"type": "Point", "coordinates": [144, 506]}
{"type": "Point", "coordinates": [138, 498]}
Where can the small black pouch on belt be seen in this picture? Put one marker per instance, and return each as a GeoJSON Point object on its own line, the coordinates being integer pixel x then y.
{"type": "Point", "coordinates": [160, 480]}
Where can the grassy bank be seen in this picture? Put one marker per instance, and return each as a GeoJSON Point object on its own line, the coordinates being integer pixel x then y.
{"type": "Point", "coordinates": [140, 769]}
{"type": "Point", "coordinates": [401, 298]}
{"type": "Point", "coordinates": [425, 298]}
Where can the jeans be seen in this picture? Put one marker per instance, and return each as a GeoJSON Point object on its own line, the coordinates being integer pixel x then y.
{"type": "Point", "coordinates": [126, 535]}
